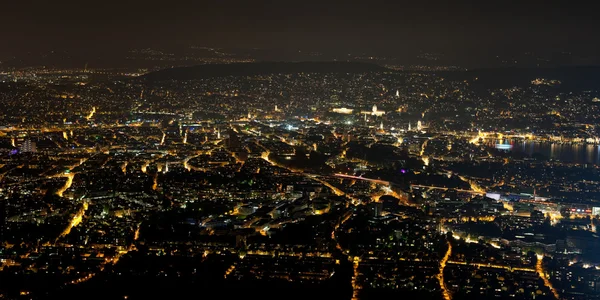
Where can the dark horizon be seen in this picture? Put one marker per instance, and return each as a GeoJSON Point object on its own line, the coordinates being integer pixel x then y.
{"type": "Point", "coordinates": [462, 31]}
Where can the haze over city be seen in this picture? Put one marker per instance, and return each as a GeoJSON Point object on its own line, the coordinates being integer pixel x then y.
{"type": "Point", "coordinates": [299, 150]}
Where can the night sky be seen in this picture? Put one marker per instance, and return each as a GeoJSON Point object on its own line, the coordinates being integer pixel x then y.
{"type": "Point", "coordinates": [398, 27]}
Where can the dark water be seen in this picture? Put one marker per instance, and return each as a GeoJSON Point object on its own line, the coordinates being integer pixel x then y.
{"type": "Point", "coordinates": [572, 153]}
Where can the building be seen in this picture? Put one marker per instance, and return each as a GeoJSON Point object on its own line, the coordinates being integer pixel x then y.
{"type": "Point", "coordinates": [28, 146]}
{"type": "Point", "coordinates": [343, 110]}
{"type": "Point", "coordinates": [375, 209]}
{"type": "Point", "coordinates": [2, 220]}
{"type": "Point", "coordinates": [233, 142]}
{"type": "Point", "coordinates": [374, 112]}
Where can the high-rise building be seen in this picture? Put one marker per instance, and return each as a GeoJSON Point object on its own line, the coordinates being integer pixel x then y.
{"type": "Point", "coordinates": [375, 209]}
{"type": "Point", "coordinates": [233, 142]}
{"type": "Point", "coordinates": [28, 146]}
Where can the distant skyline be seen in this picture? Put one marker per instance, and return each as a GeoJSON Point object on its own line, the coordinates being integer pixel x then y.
{"type": "Point", "coordinates": [460, 29]}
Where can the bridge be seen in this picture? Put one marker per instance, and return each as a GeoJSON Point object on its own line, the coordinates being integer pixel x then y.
{"type": "Point", "coordinates": [387, 183]}
{"type": "Point", "coordinates": [378, 181]}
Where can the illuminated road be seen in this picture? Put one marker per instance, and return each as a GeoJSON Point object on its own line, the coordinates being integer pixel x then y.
{"type": "Point", "coordinates": [334, 189]}
{"type": "Point", "coordinates": [69, 177]}
{"type": "Point", "coordinates": [478, 191]}
{"type": "Point", "coordinates": [493, 266]}
{"type": "Point", "coordinates": [67, 184]}
{"type": "Point", "coordinates": [440, 275]}
{"type": "Point", "coordinates": [363, 178]}
{"type": "Point", "coordinates": [474, 186]}
{"type": "Point", "coordinates": [355, 286]}
{"type": "Point", "coordinates": [162, 140]}
{"type": "Point", "coordinates": [76, 220]}
{"type": "Point", "coordinates": [155, 182]}
{"type": "Point", "coordinates": [424, 158]}
{"type": "Point", "coordinates": [91, 114]}
{"type": "Point", "coordinates": [445, 188]}
{"type": "Point", "coordinates": [145, 166]}
{"type": "Point", "coordinates": [539, 268]}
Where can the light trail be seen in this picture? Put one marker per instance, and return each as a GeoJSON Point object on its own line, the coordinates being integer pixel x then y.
{"type": "Point", "coordinates": [440, 276]}
{"type": "Point", "coordinates": [539, 268]}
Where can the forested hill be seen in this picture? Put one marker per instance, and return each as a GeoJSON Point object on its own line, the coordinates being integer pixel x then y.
{"type": "Point", "coordinates": [262, 68]}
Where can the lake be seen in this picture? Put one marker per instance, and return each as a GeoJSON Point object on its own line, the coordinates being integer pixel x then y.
{"type": "Point", "coordinates": [572, 153]}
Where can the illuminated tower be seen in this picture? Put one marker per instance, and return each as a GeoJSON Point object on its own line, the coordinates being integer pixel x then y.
{"type": "Point", "coordinates": [409, 127]}
{"type": "Point", "coordinates": [374, 108]}
{"type": "Point", "coordinates": [381, 126]}
{"type": "Point", "coordinates": [419, 126]}
{"type": "Point", "coordinates": [397, 94]}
